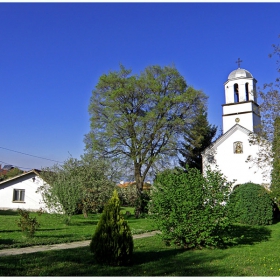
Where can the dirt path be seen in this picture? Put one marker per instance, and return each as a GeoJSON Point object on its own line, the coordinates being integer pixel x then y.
{"type": "Point", "coordinates": [62, 246]}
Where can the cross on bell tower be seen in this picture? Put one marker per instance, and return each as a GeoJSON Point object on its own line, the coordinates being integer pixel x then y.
{"type": "Point", "coordinates": [238, 61]}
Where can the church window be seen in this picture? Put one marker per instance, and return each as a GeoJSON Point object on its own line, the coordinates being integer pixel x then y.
{"type": "Point", "coordinates": [236, 93]}
{"type": "Point", "coordinates": [247, 91]}
{"type": "Point", "coordinates": [238, 147]}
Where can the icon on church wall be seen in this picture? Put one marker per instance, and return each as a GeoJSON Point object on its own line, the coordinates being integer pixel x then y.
{"type": "Point", "coordinates": [238, 147]}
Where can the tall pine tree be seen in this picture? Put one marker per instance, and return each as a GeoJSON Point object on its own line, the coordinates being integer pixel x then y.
{"type": "Point", "coordinates": [275, 174]}
{"type": "Point", "coordinates": [198, 138]}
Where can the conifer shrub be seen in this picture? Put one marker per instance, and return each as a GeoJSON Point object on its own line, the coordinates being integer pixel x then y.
{"type": "Point", "coordinates": [250, 204]}
{"type": "Point", "coordinates": [112, 242]}
{"type": "Point", "coordinates": [188, 208]}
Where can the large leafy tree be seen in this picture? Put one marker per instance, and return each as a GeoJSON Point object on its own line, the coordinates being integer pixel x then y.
{"type": "Point", "coordinates": [197, 139]}
{"type": "Point", "coordinates": [139, 118]}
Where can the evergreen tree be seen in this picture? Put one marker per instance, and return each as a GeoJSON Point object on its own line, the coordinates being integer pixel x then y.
{"type": "Point", "coordinates": [275, 174]}
{"type": "Point", "coordinates": [112, 242]}
{"type": "Point", "coordinates": [199, 137]}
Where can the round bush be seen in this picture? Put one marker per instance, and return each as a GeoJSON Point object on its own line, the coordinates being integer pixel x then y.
{"type": "Point", "coordinates": [250, 204]}
{"type": "Point", "coordinates": [112, 242]}
{"type": "Point", "coordinates": [188, 208]}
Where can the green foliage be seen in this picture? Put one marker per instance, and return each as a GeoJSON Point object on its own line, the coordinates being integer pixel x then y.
{"type": "Point", "coordinates": [250, 204]}
{"type": "Point", "coordinates": [27, 224]}
{"type": "Point", "coordinates": [112, 241]}
{"type": "Point", "coordinates": [196, 140]}
{"type": "Point", "coordinates": [10, 174]}
{"type": "Point", "coordinates": [128, 195]}
{"type": "Point", "coordinates": [142, 204]}
{"type": "Point", "coordinates": [139, 118]}
{"type": "Point", "coordinates": [189, 207]}
{"type": "Point", "coordinates": [77, 185]}
{"type": "Point", "coordinates": [275, 174]}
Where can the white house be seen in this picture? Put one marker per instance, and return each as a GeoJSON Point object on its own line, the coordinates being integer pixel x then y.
{"type": "Point", "coordinates": [241, 117]}
{"type": "Point", "coordinates": [22, 192]}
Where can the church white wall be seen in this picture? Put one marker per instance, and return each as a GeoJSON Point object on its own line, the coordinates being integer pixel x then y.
{"type": "Point", "coordinates": [237, 107]}
{"type": "Point", "coordinates": [234, 166]}
{"type": "Point", "coordinates": [33, 200]}
{"type": "Point", "coordinates": [246, 120]}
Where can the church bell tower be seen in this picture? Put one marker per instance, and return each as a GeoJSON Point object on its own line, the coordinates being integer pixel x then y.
{"type": "Point", "coordinates": [240, 101]}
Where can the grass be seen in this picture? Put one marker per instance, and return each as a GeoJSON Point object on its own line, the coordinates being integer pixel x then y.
{"type": "Point", "coordinates": [53, 229]}
{"type": "Point", "coordinates": [256, 253]}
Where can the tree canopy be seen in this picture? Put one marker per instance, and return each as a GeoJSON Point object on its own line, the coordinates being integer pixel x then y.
{"type": "Point", "coordinates": [140, 118]}
{"type": "Point", "coordinates": [10, 174]}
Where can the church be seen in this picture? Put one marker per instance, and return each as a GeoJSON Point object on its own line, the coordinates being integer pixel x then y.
{"type": "Point", "coordinates": [241, 118]}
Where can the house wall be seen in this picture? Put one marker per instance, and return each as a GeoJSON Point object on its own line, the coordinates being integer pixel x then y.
{"type": "Point", "coordinates": [33, 199]}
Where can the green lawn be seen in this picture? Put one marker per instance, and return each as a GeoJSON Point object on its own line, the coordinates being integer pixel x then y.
{"type": "Point", "coordinates": [53, 230]}
{"type": "Point", "coordinates": [255, 254]}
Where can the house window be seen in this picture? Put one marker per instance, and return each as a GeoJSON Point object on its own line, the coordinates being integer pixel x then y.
{"type": "Point", "coordinates": [18, 195]}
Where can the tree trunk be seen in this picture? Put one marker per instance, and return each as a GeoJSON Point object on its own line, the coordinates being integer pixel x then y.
{"type": "Point", "coordinates": [139, 186]}
{"type": "Point", "coordinates": [85, 212]}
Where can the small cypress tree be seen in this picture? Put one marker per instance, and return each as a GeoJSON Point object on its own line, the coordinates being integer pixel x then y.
{"type": "Point", "coordinates": [112, 242]}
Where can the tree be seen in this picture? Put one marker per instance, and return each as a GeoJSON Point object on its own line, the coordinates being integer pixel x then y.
{"type": "Point", "coordinates": [112, 242]}
{"type": "Point", "coordinates": [77, 185]}
{"type": "Point", "coordinates": [275, 174]}
{"type": "Point", "coordinates": [269, 110]}
{"type": "Point", "coordinates": [10, 174]}
{"type": "Point", "coordinates": [198, 138]}
{"type": "Point", "coordinates": [189, 208]}
{"type": "Point", "coordinates": [140, 118]}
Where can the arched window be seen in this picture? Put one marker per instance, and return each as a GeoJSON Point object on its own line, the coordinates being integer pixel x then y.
{"type": "Point", "coordinates": [236, 93]}
{"type": "Point", "coordinates": [247, 91]}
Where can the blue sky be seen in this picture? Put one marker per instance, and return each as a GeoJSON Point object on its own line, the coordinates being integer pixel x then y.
{"type": "Point", "coordinates": [52, 54]}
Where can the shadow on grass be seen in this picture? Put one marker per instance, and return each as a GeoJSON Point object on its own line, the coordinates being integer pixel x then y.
{"type": "Point", "coordinates": [8, 213]}
{"type": "Point", "coordinates": [12, 230]}
{"type": "Point", "coordinates": [6, 241]}
{"type": "Point", "coordinates": [80, 262]}
{"type": "Point", "coordinates": [83, 223]}
{"type": "Point", "coordinates": [57, 237]}
{"type": "Point", "coordinates": [248, 235]}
